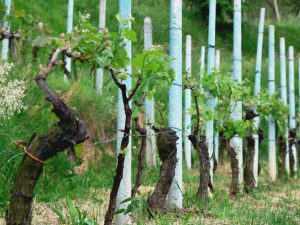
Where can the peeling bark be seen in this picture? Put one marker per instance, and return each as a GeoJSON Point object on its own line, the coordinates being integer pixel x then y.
{"type": "Point", "coordinates": [249, 163]}
{"type": "Point", "coordinates": [67, 133]}
{"type": "Point", "coordinates": [166, 146]}
{"type": "Point", "coordinates": [199, 143]}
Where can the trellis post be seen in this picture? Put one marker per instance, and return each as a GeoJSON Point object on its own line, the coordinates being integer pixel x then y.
{"type": "Point", "coordinates": [202, 64]}
{"type": "Point", "coordinates": [216, 135]}
{"type": "Point", "coordinates": [257, 88]}
{"type": "Point", "coordinates": [125, 186]}
{"type": "Point", "coordinates": [271, 121]}
{"type": "Point", "coordinates": [292, 108]}
{"type": "Point", "coordinates": [209, 127]}
{"type": "Point", "coordinates": [149, 104]}
{"type": "Point", "coordinates": [237, 142]}
{"type": "Point", "coordinates": [99, 71]}
{"type": "Point", "coordinates": [283, 96]}
{"type": "Point", "coordinates": [175, 99]}
{"type": "Point", "coordinates": [69, 30]}
{"type": "Point", "coordinates": [6, 25]}
{"type": "Point", "coordinates": [187, 104]}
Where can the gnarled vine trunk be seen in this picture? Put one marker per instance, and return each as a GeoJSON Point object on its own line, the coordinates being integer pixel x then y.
{"type": "Point", "coordinates": [249, 163]}
{"type": "Point", "coordinates": [249, 154]}
{"type": "Point", "coordinates": [292, 142]}
{"type": "Point", "coordinates": [121, 156]}
{"type": "Point", "coordinates": [282, 154]}
{"type": "Point", "coordinates": [67, 133]}
{"type": "Point", "coordinates": [199, 143]}
{"type": "Point", "coordinates": [166, 146]}
{"type": "Point", "coordinates": [261, 138]}
{"type": "Point", "coordinates": [221, 153]}
{"type": "Point", "coordinates": [234, 187]}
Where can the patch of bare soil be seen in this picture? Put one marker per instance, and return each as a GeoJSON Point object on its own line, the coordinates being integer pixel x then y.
{"type": "Point", "coordinates": [89, 156]}
{"type": "Point", "coordinates": [223, 169]}
{"type": "Point", "coordinates": [91, 153]}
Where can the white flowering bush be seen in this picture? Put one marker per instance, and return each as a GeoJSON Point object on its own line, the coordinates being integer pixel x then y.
{"type": "Point", "coordinates": [84, 17]}
{"type": "Point", "coordinates": [11, 93]}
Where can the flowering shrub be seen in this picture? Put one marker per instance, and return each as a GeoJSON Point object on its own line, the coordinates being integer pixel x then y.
{"type": "Point", "coordinates": [84, 17]}
{"type": "Point", "coordinates": [11, 93]}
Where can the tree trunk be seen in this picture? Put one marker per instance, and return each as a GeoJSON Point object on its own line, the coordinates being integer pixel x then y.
{"type": "Point", "coordinates": [141, 157]}
{"type": "Point", "coordinates": [276, 10]}
{"type": "Point", "coordinates": [67, 133]}
{"type": "Point", "coordinates": [11, 46]}
{"type": "Point", "coordinates": [249, 163]}
{"type": "Point", "coordinates": [292, 142]}
{"type": "Point", "coordinates": [199, 143]}
{"type": "Point", "coordinates": [221, 153]}
{"type": "Point", "coordinates": [261, 138]}
{"type": "Point", "coordinates": [274, 6]}
{"type": "Point", "coordinates": [121, 157]}
{"type": "Point", "coordinates": [234, 187]}
{"type": "Point", "coordinates": [282, 154]}
{"type": "Point", "coordinates": [166, 145]}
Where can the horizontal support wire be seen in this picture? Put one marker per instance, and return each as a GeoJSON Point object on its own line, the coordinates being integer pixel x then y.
{"type": "Point", "coordinates": [236, 60]}
{"type": "Point", "coordinates": [177, 84]}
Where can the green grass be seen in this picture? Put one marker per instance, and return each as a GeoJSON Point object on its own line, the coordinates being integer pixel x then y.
{"type": "Point", "coordinates": [268, 204]}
